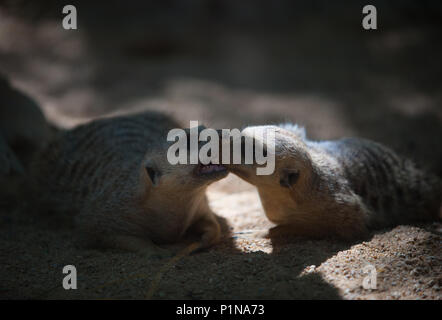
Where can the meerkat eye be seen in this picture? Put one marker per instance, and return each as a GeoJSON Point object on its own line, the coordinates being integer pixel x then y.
{"type": "Point", "coordinates": [152, 175]}
{"type": "Point", "coordinates": [289, 178]}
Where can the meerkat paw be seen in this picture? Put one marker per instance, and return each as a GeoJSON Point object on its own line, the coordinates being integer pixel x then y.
{"type": "Point", "coordinates": [211, 236]}
{"type": "Point", "coordinates": [209, 229]}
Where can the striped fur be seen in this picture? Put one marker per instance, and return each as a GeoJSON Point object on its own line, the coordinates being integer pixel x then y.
{"type": "Point", "coordinates": [394, 189]}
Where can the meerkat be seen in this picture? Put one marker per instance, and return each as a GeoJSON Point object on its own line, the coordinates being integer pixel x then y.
{"type": "Point", "coordinates": [11, 173]}
{"type": "Point", "coordinates": [9, 164]}
{"type": "Point", "coordinates": [112, 175]}
{"type": "Point", "coordinates": [22, 123]}
{"type": "Point", "coordinates": [340, 188]}
{"type": "Point", "coordinates": [23, 131]}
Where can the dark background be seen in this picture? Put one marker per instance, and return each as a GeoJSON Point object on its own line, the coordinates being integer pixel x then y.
{"type": "Point", "coordinates": [233, 63]}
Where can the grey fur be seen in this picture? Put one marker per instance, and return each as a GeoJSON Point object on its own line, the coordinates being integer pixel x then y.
{"type": "Point", "coordinates": [393, 189]}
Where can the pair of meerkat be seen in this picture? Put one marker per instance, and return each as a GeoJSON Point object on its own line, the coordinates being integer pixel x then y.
{"type": "Point", "coordinates": [113, 175]}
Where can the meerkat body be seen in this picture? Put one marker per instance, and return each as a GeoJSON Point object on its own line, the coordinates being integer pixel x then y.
{"type": "Point", "coordinates": [22, 124]}
{"type": "Point", "coordinates": [113, 176]}
{"type": "Point", "coordinates": [393, 189]}
{"type": "Point", "coordinates": [343, 187]}
{"type": "Point", "coordinates": [23, 132]}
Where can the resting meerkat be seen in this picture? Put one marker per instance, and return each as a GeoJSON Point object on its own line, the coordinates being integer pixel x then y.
{"type": "Point", "coordinates": [113, 176]}
{"type": "Point", "coordinates": [22, 124]}
{"type": "Point", "coordinates": [343, 187]}
{"type": "Point", "coordinates": [23, 131]}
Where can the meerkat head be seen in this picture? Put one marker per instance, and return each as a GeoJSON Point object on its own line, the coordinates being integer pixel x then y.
{"type": "Point", "coordinates": [172, 193]}
{"type": "Point", "coordinates": [287, 188]}
{"type": "Point", "coordinates": [162, 175]}
{"type": "Point", "coordinates": [165, 173]}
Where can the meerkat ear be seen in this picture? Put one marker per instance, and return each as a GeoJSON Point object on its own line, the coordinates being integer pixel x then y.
{"type": "Point", "coordinates": [289, 177]}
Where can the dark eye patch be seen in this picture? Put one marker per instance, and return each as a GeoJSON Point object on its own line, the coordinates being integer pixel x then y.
{"type": "Point", "coordinates": [289, 178]}
{"type": "Point", "coordinates": [152, 175]}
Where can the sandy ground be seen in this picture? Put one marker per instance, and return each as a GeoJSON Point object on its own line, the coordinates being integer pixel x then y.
{"type": "Point", "coordinates": [384, 86]}
{"type": "Point", "coordinates": [250, 263]}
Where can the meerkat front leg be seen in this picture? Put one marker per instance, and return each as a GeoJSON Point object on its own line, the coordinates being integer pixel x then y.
{"type": "Point", "coordinates": [207, 226]}
{"type": "Point", "coordinates": [209, 229]}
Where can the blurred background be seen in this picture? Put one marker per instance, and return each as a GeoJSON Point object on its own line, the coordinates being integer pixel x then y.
{"type": "Point", "coordinates": [233, 63]}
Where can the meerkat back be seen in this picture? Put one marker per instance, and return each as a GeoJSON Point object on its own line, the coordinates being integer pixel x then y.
{"type": "Point", "coordinates": [394, 188]}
